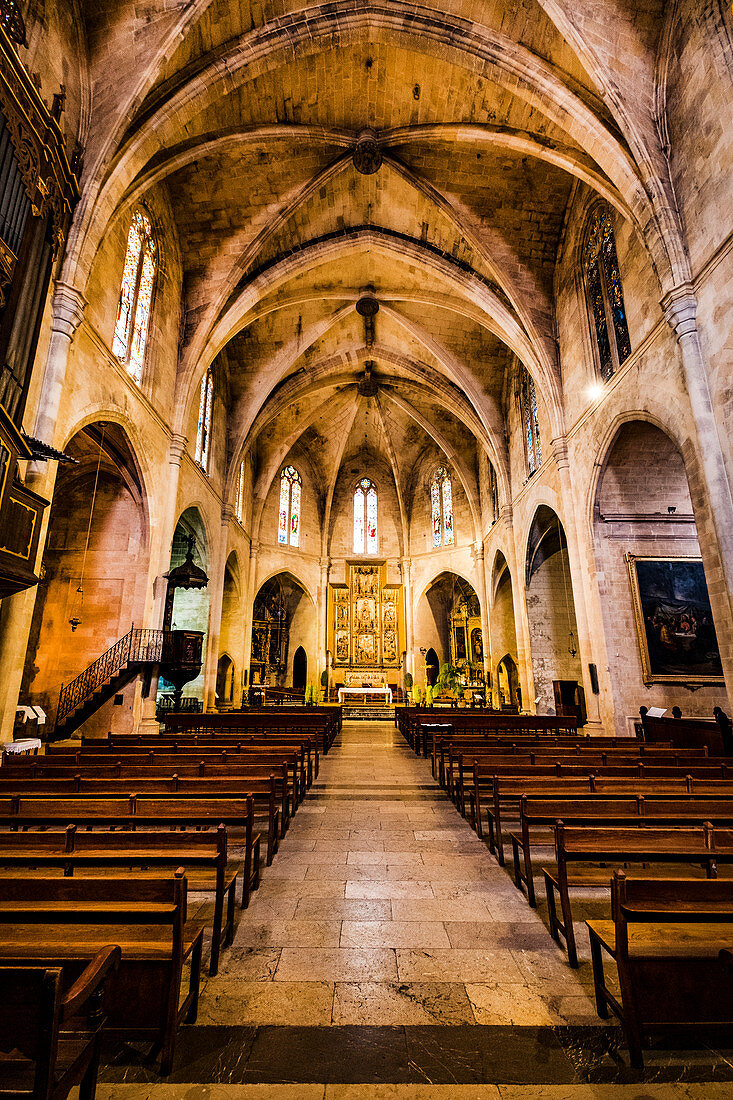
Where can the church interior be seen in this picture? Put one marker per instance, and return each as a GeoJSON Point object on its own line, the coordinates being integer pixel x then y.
{"type": "Point", "coordinates": [366, 529]}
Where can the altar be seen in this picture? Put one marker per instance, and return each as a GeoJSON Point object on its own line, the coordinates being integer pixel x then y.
{"type": "Point", "coordinates": [366, 683]}
{"type": "Point", "coordinates": [383, 692]}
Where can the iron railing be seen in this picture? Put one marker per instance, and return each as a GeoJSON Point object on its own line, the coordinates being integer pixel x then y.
{"type": "Point", "coordinates": [139, 646]}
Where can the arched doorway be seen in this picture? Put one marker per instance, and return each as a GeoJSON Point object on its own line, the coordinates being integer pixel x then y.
{"type": "Point", "coordinates": [283, 619]}
{"type": "Point", "coordinates": [448, 626]}
{"type": "Point", "coordinates": [659, 627]}
{"type": "Point", "coordinates": [300, 669]}
{"type": "Point", "coordinates": [431, 667]}
{"type": "Point", "coordinates": [553, 630]}
{"type": "Point", "coordinates": [225, 681]}
{"type": "Point", "coordinates": [510, 694]}
{"type": "Point", "coordinates": [503, 628]}
{"type": "Point", "coordinates": [95, 568]}
{"type": "Point", "coordinates": [191, 605]}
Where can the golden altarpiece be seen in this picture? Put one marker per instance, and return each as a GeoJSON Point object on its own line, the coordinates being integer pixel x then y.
{"type": "Point", "coordinates": [366, 626]}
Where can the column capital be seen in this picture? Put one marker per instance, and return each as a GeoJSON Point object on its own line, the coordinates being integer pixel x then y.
{"type": "Point", "coordinates": [176, 448]}
{"type": "Point", "coordinates": [680, 309]}
{"type": "Point", "coordinates": [506, 513]}
{"type": "Point", "coordinates": [67, 309]}
{"type": "Point", "coordinates": [254, 548]}
{"type": "Point", "coordinates": [478, 552]}
{"type": "Point", "coordinates": [227, 514]}
{"type": "Point", "coordinates": [560, 450]}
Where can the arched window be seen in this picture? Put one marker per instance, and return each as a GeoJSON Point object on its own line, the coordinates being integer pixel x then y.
{"type": "Point", "coordinates": [530, 420]}
{"type": "Point", "coordinates": [365, 517]}
{"type": "Point", "coordinates": [11, 20]}
{"type": "Point", "coordinates": [494, 492]}
{"type": "Point", "coordinates": [136, 295]}
{"type": "Point", "coordinates": [239, 503]}
{"type": "Point", "coordinates": [441, 503]}
{"type": "Point", "coordinates": [289, 519]}
{"type": "Point", "coordinates": [605, 293]}
{"type": "Point", "coordinates": [203, 430]}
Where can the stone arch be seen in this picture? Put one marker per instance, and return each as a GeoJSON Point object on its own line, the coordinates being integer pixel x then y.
{"type": "Point", "coordinates": [95, 564]}
{"type": "Point", "coordinates": [191, 607]}
{"type": "Point", "coordinates": [553, 628]}
{"type": "Point", "coordinates": [644, 509]}
{"type": "Point", "coordinates": [282, 621]}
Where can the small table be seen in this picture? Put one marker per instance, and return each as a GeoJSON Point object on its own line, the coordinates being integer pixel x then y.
{"type": "Point", "coordinates": [384, 690]}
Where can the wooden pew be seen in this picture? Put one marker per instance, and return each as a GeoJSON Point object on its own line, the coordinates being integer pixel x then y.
{"type": "Point", "coordinates": [666, 938]}
{"type": "Point", "coordinates": [204, 806]}
{"type": "Point", "coordinates": [599, 810]}
{"type": "Point", "coordinates": [508, 793]}
{"type": "Point", "coordinates": [203, 855]}
{"type": "Point", "coordinates": [483, 778]}
{"type": "Point", "coordinates": [66, 921]}
{"type": "Point", "coordinates": [599, 844]}
{"type": "Point", "coordinates": [50, 1040]}
{"type": "Point", "coordinates": [715, 733]}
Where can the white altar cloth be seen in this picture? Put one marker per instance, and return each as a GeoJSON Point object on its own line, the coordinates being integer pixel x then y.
{"type": "Point", "coordinates": [354, 690]}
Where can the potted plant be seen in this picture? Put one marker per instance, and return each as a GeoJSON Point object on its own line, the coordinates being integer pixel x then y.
{"type": "Point", "coordinates": [309, 695]}
{"type": "Point", "coordinates": [418, 695]}
{"type": "Point", "coordinates": [408, 686]}
{"type": "Point", "coordinates": [323, 697]}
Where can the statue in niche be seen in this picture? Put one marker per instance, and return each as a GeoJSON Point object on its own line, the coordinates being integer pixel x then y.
{"type": "Point", "coordinates": [389, 613]}
{"type": "Point", "coordinates": [342, 646]}
{"type": "Point", "coordinates": [477, 646]}
{"type": "Point", "coordinates": [390, 645]}
{"type": "Point", "coordinates": [365, 654]}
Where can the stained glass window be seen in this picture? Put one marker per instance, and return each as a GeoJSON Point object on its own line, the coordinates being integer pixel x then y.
{"type": "Point", "coordinates": [441, 506]}
{"type": "Point", "coordinates": [239, 505]}
{"type": "Point", "coordinates": [494, 491]}
{"type": "Point", "coordinates": [136, 295]}
{"type": "Point", "coordinates": [288, 523]}
{"type": "Point", "coordinates": [605, 293]}
{"type": "Point", "coordinates": [203, 429]}
{"type": "Point", "coordinates": [530, 420]}
{"type": "Point", "coordinates": [365, 517]}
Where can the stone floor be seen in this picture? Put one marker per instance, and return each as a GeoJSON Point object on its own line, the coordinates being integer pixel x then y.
{"type": "Point", "coordinates": [386, 954]}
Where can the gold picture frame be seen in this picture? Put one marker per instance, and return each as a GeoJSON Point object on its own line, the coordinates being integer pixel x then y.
{"type": "Point", "coordinates": [673, 620]}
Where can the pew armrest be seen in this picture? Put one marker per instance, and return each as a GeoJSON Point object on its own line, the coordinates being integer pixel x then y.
{"type": "Point", "coordinates": [90, 981]}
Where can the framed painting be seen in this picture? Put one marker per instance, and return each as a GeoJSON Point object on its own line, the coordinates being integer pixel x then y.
{"type": "Point", "coordinates": [674, 621]}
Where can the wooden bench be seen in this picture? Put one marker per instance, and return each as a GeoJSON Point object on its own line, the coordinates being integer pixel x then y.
{"type": "Point", "coordinates": [598, 810]}
{"type": "Point", "coordinates": [666, 938]}
{"type": "Point", "coordinates": [509, 792]}
{"type": "Point", "coordinates": [483, 778]}
{"type": "Point", "coordinates": [65, 922]}
{"type": "Point", "coordinates": [50, 1040]}
{"type": "Point", "coordinates": [595, 845]}
{"type": "Point", "coordinates": [203, 855]}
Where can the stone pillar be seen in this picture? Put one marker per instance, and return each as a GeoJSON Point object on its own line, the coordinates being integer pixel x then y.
{"type": "Point", "coordinates": [521, 619]}
{"type": "Point", "coordinates": [577, 588]}
{"type": "Point", "coordinates": [714, 516]}
{"type": "Point", "coordinates": [67, 311]}
{"type": "Point", "coordinates": [489, 676]}
{"type": "Point", "coordinates": [216, 597]}
{"type": "Point", "coordinates": [16, 615]}
{"type": "Point", "coordinates": [248, 607]}
{"type": "Point", "coordinates": [322, 619]}
{"type": "Point", "coordinates": [160, 561]}
{"type": "Point", "coordinates": [406, 572]}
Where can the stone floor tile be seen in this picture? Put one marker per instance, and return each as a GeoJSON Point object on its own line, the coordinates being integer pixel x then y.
{"type": "Point", "coordinates": [440, 909]}
{"type": "Point", "coordinates": [388, 889]}
{"type": "Point", "coordinates": [341, 965]}
{"type": "Point", "coordinates": [446, 965]}
{"type": "Point", "coordinates": [393, 933]}
{"type": "Point", "coordinates": [232, 1001]}
{"type": "Point", "coordinates": [347, 909]}
{"type": "Point", "coordinates": [289, 933]}
{"type": "Point", "coordinates": [407, 1003]}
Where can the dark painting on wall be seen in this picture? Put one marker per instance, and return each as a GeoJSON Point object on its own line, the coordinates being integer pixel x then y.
{"type": "Point", "coordinates": [674, 621]}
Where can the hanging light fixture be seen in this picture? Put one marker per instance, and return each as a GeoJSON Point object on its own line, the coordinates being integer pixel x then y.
{"type": "Point", "coordinates": [75, 619]}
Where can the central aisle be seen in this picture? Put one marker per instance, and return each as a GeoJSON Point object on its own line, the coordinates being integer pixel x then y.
{"type": "Point", "coordinates": [385, 944]}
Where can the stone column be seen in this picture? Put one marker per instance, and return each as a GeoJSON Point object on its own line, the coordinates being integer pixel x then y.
{"type": "Point", "coordinates": [160, 561]}
{"type": "Point", "coordinates": [714, 516]}
{"type": "Point", "coordinates": [67, 311]}
{"type": "Point", "coordinates": [521, 619]}
{"type": "Point", "coordinates": [248, 607]}
{"type": "Point", "coordinates": [406, 572]}
{"type": "Point", "coordinates": [322, 620]}
{"type": "Point", "coordinates": [577, 588]}
{"type": "Point", "coordinates": [16, 614]}
{"type": "Point", "coordinates": [216, 597]}
{"type": "Point", "coordinates": [489, 676]}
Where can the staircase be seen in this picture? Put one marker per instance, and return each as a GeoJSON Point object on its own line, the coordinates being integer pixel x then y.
{"type": "Point", "coordinates": [106, 676]}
